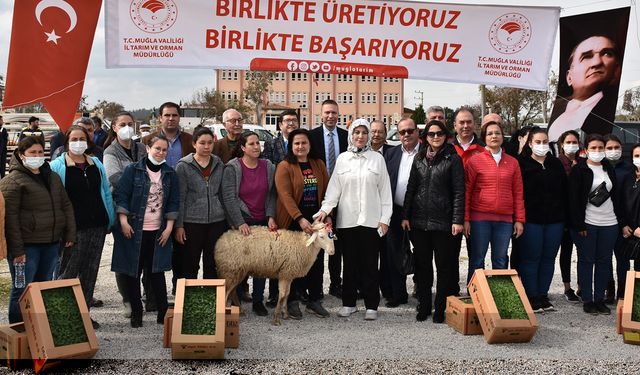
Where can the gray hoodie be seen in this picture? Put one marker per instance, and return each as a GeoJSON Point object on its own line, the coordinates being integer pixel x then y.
{"type": "Point", "coordinates": [200, 200]}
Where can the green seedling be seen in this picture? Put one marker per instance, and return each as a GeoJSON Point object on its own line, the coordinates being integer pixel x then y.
{"type": "Point", "coordinates": [467, 300]}
{"type": "Point", "coordinates": [64, 316]}
{"type": "Point", "coordinates": [506, 298]}
{"type": "Point", "coordinates": [199, 310]}
{"type": "Point", "coordinates": [635, 312]}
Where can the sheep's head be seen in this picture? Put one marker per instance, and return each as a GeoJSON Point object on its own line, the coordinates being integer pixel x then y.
{"type": "Point", "coordinates": [322, 237]}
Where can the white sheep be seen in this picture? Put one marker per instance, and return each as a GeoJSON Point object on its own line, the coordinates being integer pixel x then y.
{"type": "Point", "coordinates": [284, 255]}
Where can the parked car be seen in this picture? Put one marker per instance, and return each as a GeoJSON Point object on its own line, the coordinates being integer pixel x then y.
{"type": "Point", "coordinates": [393, 138]}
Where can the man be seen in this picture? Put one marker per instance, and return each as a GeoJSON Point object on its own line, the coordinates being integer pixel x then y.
{"type": "Point", "coordinates": [180, 143]}
{"type": "Point", "coordinates": [435, 113]}
{"type": "Point", "coordinates": [465, 141]}
{"type": "Point", "coordinates": [4, 140]}
{"type": "Point", "coordinates": [276, 150]}
{"type": "Point", "coordinates": [94, 150]}
{"type": "Point", "coordinates": [399, 160]}
{"type": "Point", "coordinates": [99, 135]}
{"type": "Point", "coordinates": [233, 121]}
{"type": "Point", "coordinates": [329, 141]}
{"type": "Point", "coordinates": [379, 137]}
{"type": "Point", "coordinates": [31, 130]}
{"type": "Point", "coordinates": [593, 78]}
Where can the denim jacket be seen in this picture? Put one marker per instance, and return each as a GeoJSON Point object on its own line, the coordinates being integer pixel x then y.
{"type": "Point", "coordinates": [131, 199]}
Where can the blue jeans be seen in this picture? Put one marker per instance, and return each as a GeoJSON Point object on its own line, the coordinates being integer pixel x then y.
{"type": "Point", "coordinates": [595, 250]}
{"type": "Point", "coordinates": [41, 261]}
{"type": "Point", "coordinates": [483, 233]}
{"type": "Point", "coordinates": [539, 245]}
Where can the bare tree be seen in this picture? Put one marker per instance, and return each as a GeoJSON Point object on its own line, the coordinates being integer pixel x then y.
{"type": "Point", "coordinates": [212, 104]}
{"type": "Point", "coordinates": [108, 109]}
{"type": "Point", "coordinates": [516, 106]}
{"type": "Point", "coordinates": [631, 103]}
{"type": "Point", "coordinates": [258, 85]}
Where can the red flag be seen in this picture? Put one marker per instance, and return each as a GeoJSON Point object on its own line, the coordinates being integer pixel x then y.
{"type": "Point", "coordinates": [50, 46]}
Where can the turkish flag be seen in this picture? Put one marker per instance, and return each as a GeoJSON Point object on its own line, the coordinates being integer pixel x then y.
{"type": "Point", "coordinates": [50, 46]}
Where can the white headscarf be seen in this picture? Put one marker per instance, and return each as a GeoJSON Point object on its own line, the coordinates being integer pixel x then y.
{"type": "Point", "coordinates": [356, 124]}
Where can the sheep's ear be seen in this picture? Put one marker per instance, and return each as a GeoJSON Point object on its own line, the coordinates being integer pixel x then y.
{"type": "Point", "coordinates": [317, 225]}
{"type": "Point", "coordinates": [311, 239]}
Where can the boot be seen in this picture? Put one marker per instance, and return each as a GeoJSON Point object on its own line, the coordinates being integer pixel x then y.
{"type": "Point", "coordinates": [136, 319]}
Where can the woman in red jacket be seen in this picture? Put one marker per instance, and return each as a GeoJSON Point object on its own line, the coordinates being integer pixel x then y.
{"type": "Point", "coordinates": [494, 201]}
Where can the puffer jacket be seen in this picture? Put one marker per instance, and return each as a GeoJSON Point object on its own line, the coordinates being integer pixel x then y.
{"type": "Point", "coordinates": [200, 200]}
{"type": "Point", "coordinates": [36, 212]}
{"type": "Point", "coordinates": [435, 193]}
{"type": "Point", "coordinates": [494, 188]}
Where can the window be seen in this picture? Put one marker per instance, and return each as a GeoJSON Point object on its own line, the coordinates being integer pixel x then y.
{"type": "Point", "coordinates": [345, 78]}
{"type": "Point", "coordinates": [391, 98]}
{"type": "Point", "coordinates": [345, 98]}
{"type": "Point", "coordinates": [368, 97]}
{"type": "Point", "coordinates": [316, 119]}
{"type": "Point", "coordinates": [276, 97]}
{"type": "Point", "coordinates": [388, 80]}
{"type": "Point", "coordinates": [279, 76]}
{"type": "Point", "coordinates": [229, 95]}
{"type": "Point", "coordinates": [299, 98]}
{"type": "Point", "coordinates": [228, 75]}
{"type": "Point", "coordinates": [322, 96]}
{"type": "Point", "coordinates": [324, 77]}
{"type": "Point", "coordinates": [298, 76]}
{"type": "Point", "coordinates": [303, 120]}
{"type": "Point", "coordinates": [271, 119]}
{"type": "Point", "coordinates": [368, 79]}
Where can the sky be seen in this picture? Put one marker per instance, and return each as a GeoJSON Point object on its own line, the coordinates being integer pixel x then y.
{"type": "Point", "coordinates": [147, 88]}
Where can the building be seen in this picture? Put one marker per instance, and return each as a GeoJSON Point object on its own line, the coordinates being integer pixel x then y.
{"type": "Point", "coordinates": [357, 96]}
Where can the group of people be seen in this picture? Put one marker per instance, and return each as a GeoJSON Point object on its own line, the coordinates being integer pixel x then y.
{"type": "Point", "coordinates": [168, 198]}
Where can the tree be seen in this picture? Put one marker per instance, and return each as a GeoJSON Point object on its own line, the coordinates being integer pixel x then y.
{"type": "Point", "coordinates": [258, 84]}
{"type": "Point", "coordinates": [83, 105]}
{"type": "Point", "coordinates": [631, 102]}
{"type": "Point", "coordinates": [516, 106]}
{"type": "Point", "coordinates": [448, 118]}
{"type": "Point", "coordinates": [213, 105]}
{"type": "Point", "coordinates": [419, 116]}
{"type": "Point", "coordinates": [108, 110]}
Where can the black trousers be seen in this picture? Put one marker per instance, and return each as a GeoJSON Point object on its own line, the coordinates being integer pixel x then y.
{"type": "Point", "coordinates": [335, 262]}
{"type": "Point", "coordinates": [157, 280]}
{"type": "Point", "coordinates": [361, 246]}
{"type": "Point", "coordinates": [201, 242]}
{"type": "Point", "coordinates": [442, 245]}
{"type": "Point", "coordinates": [396, 281]}
{"type": "Point", "coordinates": [566, 249]}
{"type": "Point", "coordinates": [177, 267]}
{"type": "Point", "coordinates": [311, 282]}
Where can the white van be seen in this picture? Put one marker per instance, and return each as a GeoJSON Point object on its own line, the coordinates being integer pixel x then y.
{"type": "Point", "coordinates": [220, 132]}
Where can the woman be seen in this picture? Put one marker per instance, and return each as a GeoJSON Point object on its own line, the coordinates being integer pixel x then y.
{"type": "Point", "coordinates": [568, 151]}
{"type": "Point", "coordinates": [120, 151]}
{"type": "Point", "coordinates": [545, 198]}
{"type": "Point", "coordinates": [613, 153]}
{"type": "Point", "coordinates": [147, 202]}
{"type": "Point", "coordinates": [434, 213]}
{"type": "Point", "coordinates": [594, 222]}
{"type": "Point", "coordinates": [86, 184]}
{"type": "Point", "coordinates": [249, 198]}
{"type": "Point", "coordinates": [360, 188]}
{"type": "Point", "coordinates": [301, 181]}
{"type": "Point", "coordinates": [201, 218]}
{"type": "Point", "coordinates": [38, 216]}
{"type": "Point", "coordinates": [631, 208]}
{"type": "Point", "coordinates": [493, 198]}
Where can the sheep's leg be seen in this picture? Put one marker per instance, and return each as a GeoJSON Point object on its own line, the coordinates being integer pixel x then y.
{"type": "Point", "coordinates": [231, 285]}
{"type": "Point", "coordinates": [283, 294]}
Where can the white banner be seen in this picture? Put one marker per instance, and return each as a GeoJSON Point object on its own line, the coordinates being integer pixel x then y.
{"type": "Point", "coordinates": [497, 45]}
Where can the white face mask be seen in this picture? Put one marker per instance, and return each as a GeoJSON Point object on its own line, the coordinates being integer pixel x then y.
{"type": "Point", "coordinates": [613, 154]}
{"type": "Point", "coordinates": [125, 133]}
{"type": "Point", "coordinates": [595, 156]}
{"type": "Point", "coordinates": [33, 162]}
{"type": "Point", "coordinates": [155, 162]}
{"type": "Point", "coordinates": [540, 150]}
{"type": "Point", "coordinates": [570, 148]}
{"type": "Point", "coordinates": [78, 147]}
{"type": "Point", "coordinates": [636, 162]}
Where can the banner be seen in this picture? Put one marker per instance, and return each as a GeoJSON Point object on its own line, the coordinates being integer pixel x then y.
{"type": "Point", "coordinates": [591, 55]}
{"type": "Point", "coordinates": [497, 45]}
{"type": "Point", "coordinates": [50, 46]}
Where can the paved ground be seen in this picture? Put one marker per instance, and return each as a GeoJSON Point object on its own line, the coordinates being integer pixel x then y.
{"type": "Point", "coordinates": [568, 341]}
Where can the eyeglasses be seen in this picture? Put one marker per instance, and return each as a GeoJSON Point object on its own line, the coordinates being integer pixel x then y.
{"type": "Point", "coordinates": [435, 134]}
{"type": "Point", "coordinates": [406, 131]}
{"type": "Point", "coordinates": [235, 120]}
{"type": "Point", "coordinates": [293, 121]}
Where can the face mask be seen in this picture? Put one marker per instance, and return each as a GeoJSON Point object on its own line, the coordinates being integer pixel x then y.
{"type": "Point", "coordinates": [540, 150]}
{"type": "Point", "coordinates": [125, 133]}
{"type": "Point", "coordinates": [154, 161]}
{"type": "Point", "coordinates": [33, 162]}
{"type": "Point", "coordinates": [636, 162]}
{"type": "Point", "coordinates": [595, 156]}
{"type": "Point", "coordinates": [78, 147]}
{"type": "Point", "coordinates": [570, 148]}
{"type": "Point", "coordinates": [613, 154]}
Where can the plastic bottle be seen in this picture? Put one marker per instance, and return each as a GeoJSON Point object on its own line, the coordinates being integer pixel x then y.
{"type": "Point", "coordinates": [19, 282]}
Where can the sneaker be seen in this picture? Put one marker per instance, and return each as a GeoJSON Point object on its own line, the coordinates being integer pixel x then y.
{"type": "Point", "coordinates": [259, 309]}
{"type": "Point", "coordinates": [579, 295]}
{"type": "Point", "coordinates": [127, 310]}
{"type": "Point", "coordinates": [536, 305]}
{"type": "Point", "coordinates": [570, 296]}
{"type": "Point", "coordinates": [546, 304]}
{"type": "Point", "coordinates": [346, 311]}
{"type": "Point", "coordinates": [272, 302]}
{"type": "Point", "coordinates": [590, 308]}
{"type": "Point", "coordinates": [294, 310]}
{"type": "Point", "coordinates": [95, 324]}
{"type": "Point", "coordinates": [317, 308]}
{"type": "Point", "coordinates": [371, 314]}
{"type": "Point", "coordinates": [602, 308]}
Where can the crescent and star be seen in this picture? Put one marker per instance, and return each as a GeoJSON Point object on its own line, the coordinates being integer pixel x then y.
{"type": "Point", "coordinates": [62, 5]}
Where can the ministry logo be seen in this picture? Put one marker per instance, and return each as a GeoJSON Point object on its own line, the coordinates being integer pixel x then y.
{"type": "Point", "coordinates": [153, 16]}
{"type": "Point", "coordinates": [510, 33]}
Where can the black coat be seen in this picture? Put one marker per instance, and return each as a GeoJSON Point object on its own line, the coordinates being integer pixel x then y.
{"type": "Point", "coordinates": [435, 192]}
{"type": "Point", "coordinates": [545, 190]}
{"type": "Point", "coordinates": [630, 203]}
{"type": "Point", "coordinates": [580, 181]}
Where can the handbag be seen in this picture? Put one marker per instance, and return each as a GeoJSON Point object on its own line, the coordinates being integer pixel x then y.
{"type": "Point", "coordinates": [631, 248]}
{"type": "Point", "coordinates": [599, 195]}
{"type": "Point", "coordinates": [404, 257]}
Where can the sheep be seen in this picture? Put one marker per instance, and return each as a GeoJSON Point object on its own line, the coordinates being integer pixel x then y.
{"type": "Point", "coordinates": [284, 255]}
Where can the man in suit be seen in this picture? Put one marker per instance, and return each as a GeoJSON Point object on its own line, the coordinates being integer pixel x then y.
{"type": "Point", "coordinates": [329, 141]}
{"type": "Point", "coordinates": [399, 160]}
{"type": "Point", "coordinates": [379, 137]}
